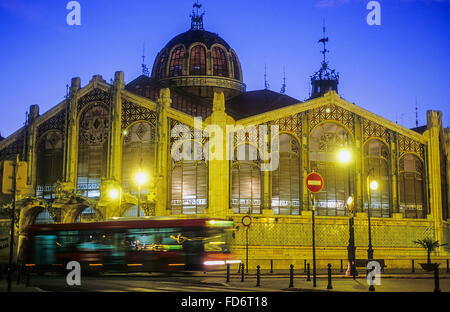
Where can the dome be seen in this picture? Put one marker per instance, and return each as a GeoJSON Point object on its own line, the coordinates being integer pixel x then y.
{"type": "Point", "coordinates": [200, 62]}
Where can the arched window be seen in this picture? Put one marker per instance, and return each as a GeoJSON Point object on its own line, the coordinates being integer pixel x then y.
{"type": "Point", "coordinates": [376, 166]}
{"type": "Point", "coordinates": [220, 66]}
{"type": "Point", "coordinates": [138, 154]}
{"type": "Point", "coordinates": [286, 179]}
{"type": "Point", "coordinates": [49, 163]}
{"type": "Point", "coordinates": [43, 217]}
{"type": "Point", "coordinates": [197, 63]}
{"type": "Point", "coordinates": [236, 71]}
{"type": "Point", "coordinates": [246, 180]}
{"type": "Point", "coordinates": [87, 215]}
{"type": "Point", "coordinates": [412, 199]}
{"type": "Point", "coordinates": [189, 182]}
{"type": "Point", "coordinates": [92, 150]}
{"type": "Point", "coordinates": [176, 62]}
{"type": "Point", "coordinates": [161, 66]}
{"type": "Point", "coordinates": [326, 141]}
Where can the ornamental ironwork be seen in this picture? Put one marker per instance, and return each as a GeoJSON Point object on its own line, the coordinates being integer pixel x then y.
{"type": "Point", "coordinates": [94, 125]}
{"type": "Point", "coordinates": [56, 122]}
{"type": "Point", "coordinates": [374, 130]}
{"type": "Point", "coordinates": [14, 148]}
{"type": "Point", "coordinates": [408, 145]}
{"type": "Point", "coordinates": [132, 112]}
{"type": "Point", "coordinates": [331, 112]}
{"type": "Point", "coordinates": [292, 124]}
{"type": "Point", "coordinates": [96, 95]}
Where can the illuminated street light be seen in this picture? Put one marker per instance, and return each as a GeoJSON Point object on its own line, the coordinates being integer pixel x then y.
{"type": "Point", "coordinates": [141, 178]}
{"type": "Point", "coordinates": [114, 194]}
{"type": "Point", "coordinates": [373, 185]}
{"type": "Point", "coordinates": [344, 156]}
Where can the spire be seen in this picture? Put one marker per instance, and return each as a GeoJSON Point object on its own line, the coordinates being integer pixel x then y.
{"type": "Point", "coordinates": [196, 18]}
{"type": "Point", "coordinates": [145, 70]}
{"type": "Point", "coordinates": [325, 79]}
{"type": "Point", "coordinates": [266, 84]}
{"type": "Point", "coordinates": [417, 115]}
{"type": "Point", "coordinates": [283, 86]}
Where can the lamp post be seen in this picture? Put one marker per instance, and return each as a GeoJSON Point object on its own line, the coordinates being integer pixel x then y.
{"type": "Point", "coordinates": [141, 178]}
{"type": "Point", "coordinates": [344, 156]}
{"type": "Point", "coordinates": [370, 186]}
{"type": "Point", "coordinates": [114, 194]}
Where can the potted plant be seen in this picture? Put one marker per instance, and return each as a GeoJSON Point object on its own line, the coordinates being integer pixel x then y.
{"type": "Point", "coordinates": [429, 245]}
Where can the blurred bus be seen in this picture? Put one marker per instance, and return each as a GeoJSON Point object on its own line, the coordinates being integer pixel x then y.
{"type": "Point", "coordinates": [139, 245]}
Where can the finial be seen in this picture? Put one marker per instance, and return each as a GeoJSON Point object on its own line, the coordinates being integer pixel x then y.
{"type": "Point", "coordinates": [266, 84]}
{"type": "Point", "coordinates": [196, 18]}
{"type": "Point", "coordinates": [324, 40]}
{"type": "Point", "coordinates": [283, 86]}
{"type": "Point", "coordinates": [145, 70]}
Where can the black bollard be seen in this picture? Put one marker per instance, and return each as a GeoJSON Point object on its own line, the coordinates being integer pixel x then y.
{"type": "Point", "coordinates": [271, 266]}
{"type": "Point", "coordinates": [258, 276]}
{"type": "Point", "coordinates": [291, 277]}
{"type": "Point", "coordinates": [412, 265]}
{"type": "Point", "coordinates": [342, 267]}
{"type": "Point", "coordinates": [329, 286]}
{"type": "Point", "coordinates": [436, 280]}
{"type": "Point", "coordinates": [228, 272]}
{"type": "Point", "coordinates": [304, 262]}
{"type": "Point", "coordinates": [242, 273]}
{"type": "Point", "coordinates": [308, 274]}
{"type": "Point", "coordinates": [239, 269]}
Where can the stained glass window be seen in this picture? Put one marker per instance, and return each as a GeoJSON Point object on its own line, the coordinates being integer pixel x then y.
{"type": "Point", "coordinates": [376, 165]}
{"type": "Point", "coordinates": [176, 62]}
{"type": "Point", "coordinates": [49, 163]}
{"type": "Point", "coordinates": [246, 180]}
{"type": "Point", "coordinates": [197, 64]}
{"type": "Point", "coordinates": [412, 200]}
{"type": "Point", "coordinates": [286, 184]}
{"type": "Point", "coordinates": [220, 66]}
{"type": "Point", "coordinates": [92, 150]}
{"type": "Point", "coordinates": [326, 141]}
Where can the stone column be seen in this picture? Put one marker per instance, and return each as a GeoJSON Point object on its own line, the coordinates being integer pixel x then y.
{"type": "Point", "coordinates": [71, 142]}
{"type": "Point", "coordinates": [434, 122]}
{"type": "Point", "coordinates": [218, 164]}
{"type": "Point", "coordinates": [115, 168]}
{"type": "Point", "coordinates": [163, 160]}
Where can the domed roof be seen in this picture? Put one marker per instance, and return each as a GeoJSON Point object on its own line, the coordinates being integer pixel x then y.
{"type": "Point", "coordinates": [193, 36]}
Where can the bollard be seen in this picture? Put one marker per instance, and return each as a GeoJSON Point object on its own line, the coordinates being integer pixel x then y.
{"type": "Point", "coordinates": [228, 272]}
{"type": "Point", "coordinates": [242, 272]}
{"type": "Point", "coordinates": [412, 265]}
{"type": "Point", "coordinates": [342, 267]}
{"type": "Point", "coordinates": [258, 276]}
{"type": "Point", "coordinates": [271, 266]}
{"type": "Point", "coordinates": [436, 280]}
{"type": "Point", "coordinates": [329, 286]}
{"type": "Point", "coordinates": [308, 279]}
{"type": "Point", "coordinates": [305, 265]}
{"type": "Point", "coordinates": [239, 269]}
{"type": "Point", "coordinates": [291, 277]}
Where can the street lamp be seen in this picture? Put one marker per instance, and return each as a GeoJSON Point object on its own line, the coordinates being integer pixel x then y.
{"type": "Point", "coordinates": [371, 185]}
{"type": "Point", "coordinates": [344, 156]}
{"type": "Point", "coordinates": [141, 178]}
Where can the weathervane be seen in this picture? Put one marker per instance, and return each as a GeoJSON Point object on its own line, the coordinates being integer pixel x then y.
{"type": "Point", "coordinates": [324, 40]}
{"type": "Point", "coordinates": [145, 70]}
{"type": "Point", "coordinates": [283, 86]}
{"type": "Point", "coordinates": [196, 18]}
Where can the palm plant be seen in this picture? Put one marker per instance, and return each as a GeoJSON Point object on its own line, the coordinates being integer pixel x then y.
{"type": "Point", "coordinates": [429, 245]}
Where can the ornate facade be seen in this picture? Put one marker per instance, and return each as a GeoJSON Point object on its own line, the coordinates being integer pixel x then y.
{"type": "Point", "coordinates": [103, 133]}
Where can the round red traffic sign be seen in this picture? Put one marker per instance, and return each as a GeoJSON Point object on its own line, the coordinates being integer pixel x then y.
{"type": "Point", "coordinates": [314, 182]}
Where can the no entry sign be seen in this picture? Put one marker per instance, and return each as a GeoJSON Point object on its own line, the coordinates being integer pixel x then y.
{"type": "Point", "coordinates": [314, 182]}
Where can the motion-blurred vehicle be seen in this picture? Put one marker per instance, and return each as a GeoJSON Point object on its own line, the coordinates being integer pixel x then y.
{"type": "Point", "coordinates": [139, 245]}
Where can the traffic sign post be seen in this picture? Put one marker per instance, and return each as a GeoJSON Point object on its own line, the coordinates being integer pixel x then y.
{"type": "Point", "coordinates": [314, 184]}
{"type": "Point", "coordinates": [246, 221]}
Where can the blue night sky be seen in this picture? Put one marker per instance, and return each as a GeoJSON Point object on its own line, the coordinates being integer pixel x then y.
{"type": "Point", "coordinates": [383, 68]}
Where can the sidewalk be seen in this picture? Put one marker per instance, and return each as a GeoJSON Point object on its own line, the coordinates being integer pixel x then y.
{"type": "Point", "coordinates": [17, 287]}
